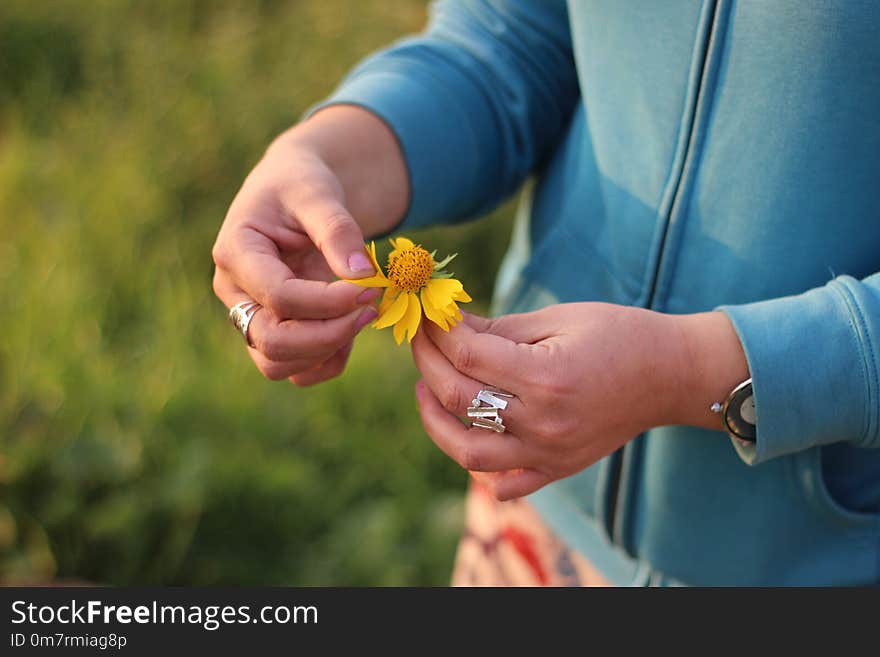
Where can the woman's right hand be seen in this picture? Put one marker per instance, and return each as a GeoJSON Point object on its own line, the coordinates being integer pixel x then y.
{"type": "Point", "coordinates": [289, 235]}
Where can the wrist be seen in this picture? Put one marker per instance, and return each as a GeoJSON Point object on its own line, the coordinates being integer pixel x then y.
{"type": "Point", "coordinates": [361, 151]}
{"type": "Point", "coordinates": [663, 380]}
{"type": "Point", "coordinates": [711, 364]}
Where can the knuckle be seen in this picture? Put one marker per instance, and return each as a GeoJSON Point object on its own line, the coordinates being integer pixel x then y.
{"type": "Point", "coordinates": [471, 459]}
{"type": "Point", "coordinates": [272, 371]}
{"type": "Point", "coordinates": [451, 398]}
{"type": "Point", "coordinates": [275, 300]}
{"type": "Point", "coordinates": [217, 283]}
{"type": "Point", "coordinates": [462, 356]}
{"type": "Point", "coordinates": [271, 347]}
{"type": "Point", "coordinates": [335, 226]}
{"type": "Point", "coordinates": [220, 254]}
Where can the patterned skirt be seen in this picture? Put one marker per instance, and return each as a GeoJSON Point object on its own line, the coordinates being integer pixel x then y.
{"type": "Point", "coordinates": [508, 544]}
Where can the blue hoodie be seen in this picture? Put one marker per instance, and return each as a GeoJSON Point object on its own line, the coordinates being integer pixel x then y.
{"type": "Point", "coordinates": [683, 156]}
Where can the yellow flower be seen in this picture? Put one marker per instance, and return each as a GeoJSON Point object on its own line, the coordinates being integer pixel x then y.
{"type": "Point", "coordinates": [415, 282]}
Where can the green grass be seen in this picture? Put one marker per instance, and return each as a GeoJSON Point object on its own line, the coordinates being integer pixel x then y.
{"type": "Point", "coordinates": [138, 444]}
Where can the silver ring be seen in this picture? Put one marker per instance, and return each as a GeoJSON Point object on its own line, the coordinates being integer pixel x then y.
{"type": "Point", "coordinates": [485, 409]}
{"type": "Point", "coordinates": [241, 315]}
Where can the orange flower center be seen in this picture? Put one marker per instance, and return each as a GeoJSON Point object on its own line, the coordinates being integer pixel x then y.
{"type": "Point", "coordinates": [410, 269]}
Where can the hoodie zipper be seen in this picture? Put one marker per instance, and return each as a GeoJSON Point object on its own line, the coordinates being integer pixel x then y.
{"type": "Point", "coordinates": [695, 96]}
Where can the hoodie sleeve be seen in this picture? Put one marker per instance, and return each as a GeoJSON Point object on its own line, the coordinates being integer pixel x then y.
{"type": "Point", "coordinates": [476, 102]}
{"type": "Point", "coordinates": [814, 365]}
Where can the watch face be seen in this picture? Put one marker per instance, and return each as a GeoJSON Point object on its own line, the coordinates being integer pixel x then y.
{"type": "Point", "coordinates": [747, 410]}
{"type": "Point", "coordinates": [739, 416]}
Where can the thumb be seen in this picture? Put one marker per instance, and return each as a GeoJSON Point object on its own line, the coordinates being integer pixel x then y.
{"type": "Point", "coordinates": [523, 328]}
{"type": "Point", "coordinates": [338, 237]}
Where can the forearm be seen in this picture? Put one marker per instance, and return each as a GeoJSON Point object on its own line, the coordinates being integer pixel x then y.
{"type": "Point", "coordinates": [364, 155]}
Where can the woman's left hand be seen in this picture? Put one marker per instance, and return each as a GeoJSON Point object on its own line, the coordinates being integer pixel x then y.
{"type": "Point", "coordinates": [587, 378]}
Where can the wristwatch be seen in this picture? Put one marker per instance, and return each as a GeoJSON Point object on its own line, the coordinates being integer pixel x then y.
{"type": "Point", "coordinates": [738, 412]}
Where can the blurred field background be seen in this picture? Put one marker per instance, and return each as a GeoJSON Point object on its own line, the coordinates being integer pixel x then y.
{"type": "Point", "coordinates": [138, 445]}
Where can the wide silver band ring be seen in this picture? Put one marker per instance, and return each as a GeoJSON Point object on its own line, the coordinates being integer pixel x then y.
{"type": "Point", "coordinates": [241, 315]}
{"type": "Point", "coordinates": [485, 409]}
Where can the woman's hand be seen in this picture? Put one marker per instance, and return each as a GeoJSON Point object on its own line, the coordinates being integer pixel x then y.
{"type": "Point", "coordinates": [291, 232]}
{"type": "Point", "coordinates": [588, 377]}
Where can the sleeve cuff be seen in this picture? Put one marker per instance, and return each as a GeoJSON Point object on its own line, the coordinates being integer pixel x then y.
{"type": "Point", "coordinates": [813, 370]}
{"type": "Point", "coordinates": [437, 137]}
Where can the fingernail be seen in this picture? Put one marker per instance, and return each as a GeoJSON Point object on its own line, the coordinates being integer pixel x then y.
{"type": "Point", "coordinates": [366, 317]}
{"type": "Point", "coordinates": [369, 295]}
{"type": "Point", "coordinates": [358, 262]}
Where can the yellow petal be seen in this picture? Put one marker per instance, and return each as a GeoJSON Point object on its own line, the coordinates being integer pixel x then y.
{"type": "Point", "coordinates": [426, 292]}
{"type": "Point", "coordinates": [413, 316]}
{"type": "Point", "coordinates": [395, 311]}
{"type": "Point", "coordinates": [435, 294]}
{"type": "Point", "coordinates": [378, 280]}
{"type": "Point", "coordinates": [401, 243]}
{"type": "Point", "coordinates": [443, 290]}
{"type": "Point", "coordinates": [433, 313]}
{"type": "Point", "coordinates": [452, 311]}
{"type": "Point", "coordinates": [448, 310]}
{"type": "Point", "coordinates": [388, 298]}
{"type": "Point", "coordinates": [447, 285]}
{"type": "Point", "coordinates": [399, 331]}
{"type": "Point", "coordinates": [372, 253]}
{"type": "Point", "coordinates": [462, 296]}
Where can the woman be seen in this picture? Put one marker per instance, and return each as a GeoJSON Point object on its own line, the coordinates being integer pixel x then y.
{"type": "Point", "coordinates": [688, 318]}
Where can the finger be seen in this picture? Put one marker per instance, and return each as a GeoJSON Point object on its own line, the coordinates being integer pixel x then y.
{"type": "Point", "coordinates": [272, 370]}
{"type": "Point", "coordinates": [281, 340]}
{"type": "Point", "coordinates": [336, 234]}
{"type": "Point", "coordinates": [485, 357]}
{"type": "Point", "coordinates": [524, 328]}
{"type": "Point", "coordinates": [253, 264]}
{"type": "Point", "coordinates": [280, 370]}
{"type": "Point", "coordinates": [266, 329]}
{"type": "Point", "coordinates": [479, 450]}
{"type": "Point", "coordinates": [454, 390]}
{"type": "Point", "coordinates": [476, 322]}
{"type": "Point", "coordinates": [511, 484]}
{"type": "Point", "coordinates": [332, 367]}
